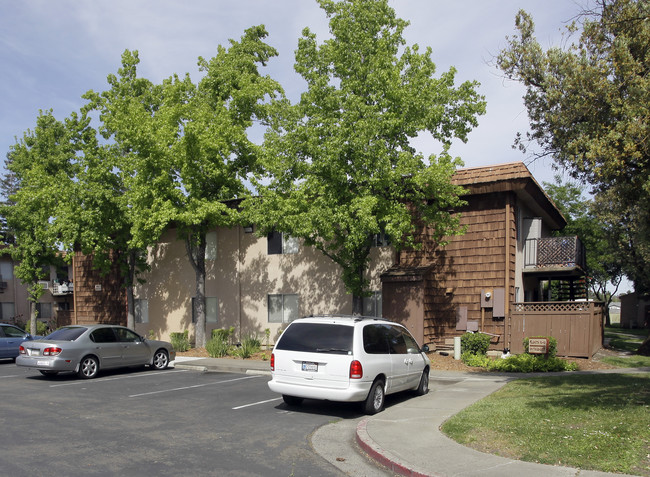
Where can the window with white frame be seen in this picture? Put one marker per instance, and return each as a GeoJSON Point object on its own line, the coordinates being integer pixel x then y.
{"type": "Point", "coordinates": [283, 308]}
{"type": "Point", "coordinates": [141, 310]}
{"type": "Point", "coordinates": [372, 304]}
{"type": "Point", "coordinates": [281, 243]}
{"type": "Point", "coordinates": [211, 245]}
{"type": "Point", "coordinates": [211, 309]}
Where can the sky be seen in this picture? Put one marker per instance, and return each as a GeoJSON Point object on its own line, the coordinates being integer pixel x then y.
{"type": "Point", "coordinates": [53, 51]}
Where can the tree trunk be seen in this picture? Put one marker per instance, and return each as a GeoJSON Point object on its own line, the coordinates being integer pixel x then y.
{"type": "Point", "coordinates": [644, 349]}
{"type": "Point", "coordinates": [357, 305]}
{"type": "Point", "coordinates": [196, 254]}
{"type": "Point", "coordinates": [33, 329]}
{"type": "Point", "coordinates": [130, 300]}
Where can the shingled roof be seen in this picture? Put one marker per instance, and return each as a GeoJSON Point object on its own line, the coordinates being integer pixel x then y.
{"type": "Point", "coordinates": [511, 177]}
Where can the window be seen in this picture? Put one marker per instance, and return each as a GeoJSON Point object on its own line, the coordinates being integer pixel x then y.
{"type": "Point", "coordinates": [7, 311]}
{"type": "Point", "coordinates": [283, 308]}
{"type": "Point", "coordinates": [103, 335]}
{"type": "Point", "coordinates": [372, 304]}
{"type": "Point", "coordinates": [6, 271]}
{"type": "Point", "coordinates": [44, 310]}
{"type": "Point", "coordinates": [125, 335]}
{"type": "Point", "coordinates": [381, 239]}
{"type": "Point", "coordinates": [279, 243]}
{"type": "Point", "coordinates": [211, 309]}
{"type": "Point", "coordinates": [211, 245]}
{"type": "Point", "coordinates": [318, 338]}
{"type": "Point", "coordinates": [141, 310]}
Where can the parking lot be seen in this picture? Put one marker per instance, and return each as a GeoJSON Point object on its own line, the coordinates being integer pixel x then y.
{"type": "Point", "coordinates": [144, 422]}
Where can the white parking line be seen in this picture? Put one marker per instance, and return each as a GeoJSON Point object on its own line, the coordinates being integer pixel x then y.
{"type": "Point", "coordinates": [12, 376]}
{"type": "Point", "coordinates": [255, 403]}
{"type": "Point", "coordinates": [192, 387]}
{"type": "Point", "coordinates": [130, 376]}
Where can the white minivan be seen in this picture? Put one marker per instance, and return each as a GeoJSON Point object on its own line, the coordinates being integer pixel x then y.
{"type": "Point", "coordinates": [347, 358]}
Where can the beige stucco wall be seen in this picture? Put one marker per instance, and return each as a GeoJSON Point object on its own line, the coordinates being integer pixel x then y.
{"type": "Point", "coordinates": [242, 277]}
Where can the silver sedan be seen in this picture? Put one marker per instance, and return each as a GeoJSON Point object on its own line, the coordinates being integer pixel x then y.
{"type": "Point", "coordinates": [87, 349]}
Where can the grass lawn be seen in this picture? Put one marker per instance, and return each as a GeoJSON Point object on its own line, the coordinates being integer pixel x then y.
{"type": "Point", "coordinates": [598, 422]}
{"type": "Point", "coordinates": [587, 421]}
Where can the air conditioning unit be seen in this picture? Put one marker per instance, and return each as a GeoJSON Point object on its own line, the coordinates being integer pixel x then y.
{"type": "Point", "coordinates": [44, 284]}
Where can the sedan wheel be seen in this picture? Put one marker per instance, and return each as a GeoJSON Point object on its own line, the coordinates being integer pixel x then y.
{"type": "Point", "coordinates": [88, 368]}
{"type": "Point", "coordinates": [160, 359]}
{"type": "Point", "coordinates": [375, 401]}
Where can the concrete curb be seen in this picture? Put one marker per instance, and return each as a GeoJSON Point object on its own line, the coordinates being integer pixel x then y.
{"type": "Point", "coordinates": [384, 457]}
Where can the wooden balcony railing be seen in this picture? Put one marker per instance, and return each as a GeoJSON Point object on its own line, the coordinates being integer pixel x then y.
{"type": "Point", "coordinates": [554, 253]}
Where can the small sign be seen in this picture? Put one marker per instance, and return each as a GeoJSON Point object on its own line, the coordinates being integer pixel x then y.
{"type": "Point", "coordinates": [538, 345]}
{"type": "Point", "coordinates": [98, 288]}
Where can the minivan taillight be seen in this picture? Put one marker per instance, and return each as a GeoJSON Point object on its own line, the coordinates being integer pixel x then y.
{"type": "Point", "coordinates": [356, 370]}
{"type": "Point", "coordinates": [53, 351]}
{"type": "Point", "coordinates": [272, 361]}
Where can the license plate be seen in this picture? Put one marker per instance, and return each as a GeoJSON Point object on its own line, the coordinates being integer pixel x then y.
{"type": "Point", "coordinates": [42, 363]}
{"type": "Point", "coordinates": [309, 366]}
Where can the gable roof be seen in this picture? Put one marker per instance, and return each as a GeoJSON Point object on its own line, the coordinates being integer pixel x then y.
{"type": "Point", "coordinates": [511, 177]}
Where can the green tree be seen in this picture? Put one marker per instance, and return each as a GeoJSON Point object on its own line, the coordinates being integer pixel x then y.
{"type": "Point", "coordinates": [185, 146]}
{"type": "Point", "coordinates": [339, 164]}
{"type": "Point", "coordinates": [588, 105]}
{"type": "Point", "coordinates": [602, 264]}
{"type": "Point", "coordinates": [37, 161]}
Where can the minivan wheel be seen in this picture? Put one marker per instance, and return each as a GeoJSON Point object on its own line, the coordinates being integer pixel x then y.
{"type": "Point", "coordinates": [292, 400]}
{"type": "Point", "coordinates": [423, 387]}
{"type": "Point", "coordinates": [375, 401]}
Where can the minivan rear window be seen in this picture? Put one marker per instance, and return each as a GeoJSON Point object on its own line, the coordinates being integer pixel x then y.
{"type": "Point", "coordinates": [317, 338]}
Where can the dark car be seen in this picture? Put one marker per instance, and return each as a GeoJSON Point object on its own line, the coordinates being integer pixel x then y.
{"type": "Point", "coordinates": [10, 339]}
{"type": "Point", "coordinates": [87, 349]}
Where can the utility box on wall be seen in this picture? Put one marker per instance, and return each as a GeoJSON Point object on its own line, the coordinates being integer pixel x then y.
{"type": "Point", "coordinates": [487, 298]}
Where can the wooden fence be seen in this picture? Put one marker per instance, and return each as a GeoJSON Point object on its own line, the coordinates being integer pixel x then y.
{"type": "Point", "coordinates": [577, 326]}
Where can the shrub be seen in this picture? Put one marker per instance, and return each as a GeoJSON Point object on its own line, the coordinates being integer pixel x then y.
{"type": "Point", "coordinates": [223, 334]}
{"type": "Point", "coordinates": [474, 343]}
{"type": "Point", "coordinates": [528, 363]}
{"type": "Point", "coordinates": [552, 345]}
{"type": "Point", "coordinates": [248, 347]}
{"type": "Point", "coordinates": [475, 360]}
{"type": "Point", "coordinates": [180, 340]}
{"type": "Point", "coordinates": [217, 346]}
{"type": "Point", "coordinates": [42, 329]}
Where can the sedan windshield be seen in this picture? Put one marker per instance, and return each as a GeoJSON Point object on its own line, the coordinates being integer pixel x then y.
{"type": "Point", "coordinates": [66, 333]}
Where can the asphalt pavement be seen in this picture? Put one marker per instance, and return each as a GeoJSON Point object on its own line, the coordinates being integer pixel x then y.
{"type": "Point", "coordinates": [406, 437]}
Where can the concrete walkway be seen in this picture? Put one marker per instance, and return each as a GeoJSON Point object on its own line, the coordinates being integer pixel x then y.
{"type": "Point", "coordinates": [406, 436]}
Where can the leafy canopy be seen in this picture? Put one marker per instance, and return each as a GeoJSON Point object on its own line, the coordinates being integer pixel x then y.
{"type": "Point", "coordinates": [588, 106]}
{"type": "Point", "coordinates": [339, 164]}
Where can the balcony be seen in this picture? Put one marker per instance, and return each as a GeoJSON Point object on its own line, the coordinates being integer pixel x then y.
{"type": "Point", "coordinates": [561, 255]}
{"type": "Point", "coordinates": [62, 289]}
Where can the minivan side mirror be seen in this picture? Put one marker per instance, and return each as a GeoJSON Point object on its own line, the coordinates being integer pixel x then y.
{"type": "Point", "coordinates": [425, 349]}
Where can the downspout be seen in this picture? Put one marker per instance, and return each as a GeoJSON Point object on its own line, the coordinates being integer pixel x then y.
{"type": "Point", "coordinates": [507, 278]}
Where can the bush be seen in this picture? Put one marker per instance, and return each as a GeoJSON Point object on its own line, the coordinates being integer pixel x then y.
{"type": "Point", "coordinates": [223, 334]}
{"type": "Point", "coordinates": [42, 329]}
{"type": "Point", "coordinates": [552, 345]}
{"type": "Point", "coordinates": [248, 347]}
{"type": "Point", "coordinates": [528, 363]}
{"type": "Point", "coordinates": [180, 340]}
{"type": "Point", "coordinates": [218, 346]}
{"type": "Point", "coordinates": [475, 360]}
{"type": "Point", "coordinates": [474, 343]}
